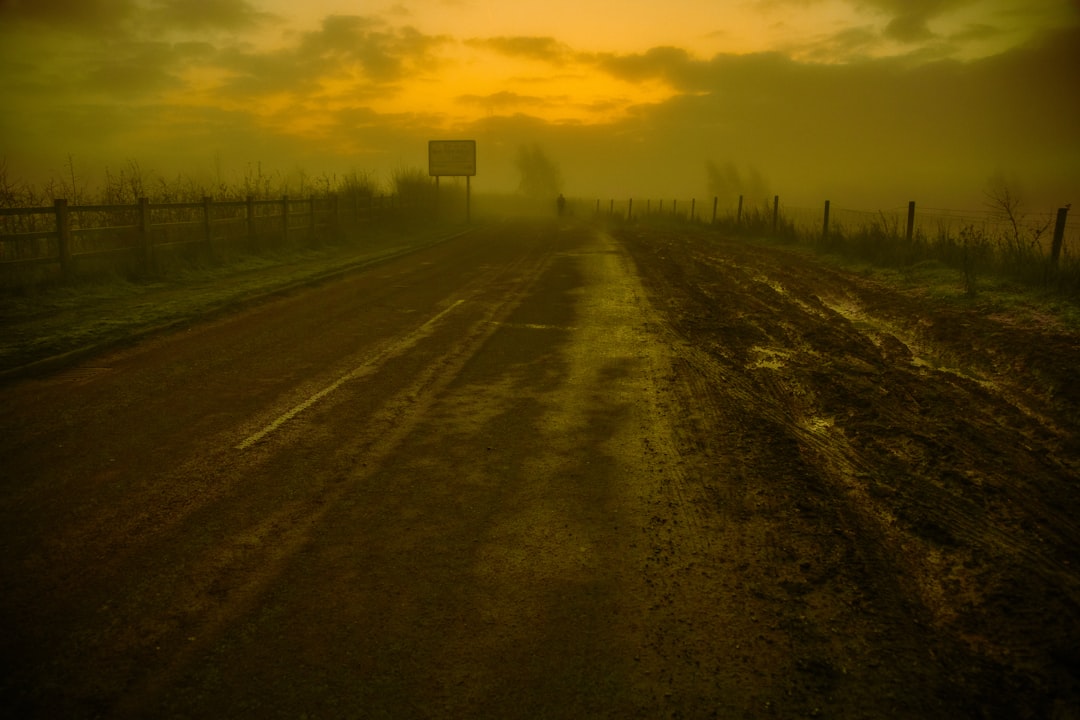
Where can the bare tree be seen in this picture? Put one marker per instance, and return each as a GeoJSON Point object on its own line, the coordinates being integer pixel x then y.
{"type": "Point", "coordinates": [8, 188]}
{"type": "Point", "coordinates": [541, 177]}
{"type": "Point", "coordinates": [1006, 201]}
{"type": "Point", "coordinates": [727, 181]}
{"type": "Point", "coordinates": [74, 179]}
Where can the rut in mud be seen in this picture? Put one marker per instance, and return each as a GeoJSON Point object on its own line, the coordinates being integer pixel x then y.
{"type": "Point", "coordinates": [895, 484]}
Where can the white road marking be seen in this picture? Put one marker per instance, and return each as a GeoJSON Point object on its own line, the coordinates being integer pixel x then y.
{"type": "Point", "coordinates": [368, 367]}
{"type": "Point", "coordinates": [532, 326]}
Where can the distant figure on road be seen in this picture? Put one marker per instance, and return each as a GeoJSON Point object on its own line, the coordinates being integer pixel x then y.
{"type": "Point", "coordinates": [561, 203]}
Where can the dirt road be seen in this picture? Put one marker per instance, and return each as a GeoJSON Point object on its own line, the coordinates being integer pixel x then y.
{"type": "Point", "coordinates": [551, 471]}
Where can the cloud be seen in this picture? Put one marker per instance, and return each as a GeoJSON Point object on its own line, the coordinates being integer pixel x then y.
{"type": "Point", "coordinates": [93, 17]}
{"type": "Point", "coordinates": [657, 63]}
{"type": "Point", "coordinates": [364, 52]}
{"type": "Point", "coordinates": [502, 100]}
{"type": "Point", "coordinates": [384, 52]}
{"type": "Point", "coordinates": [922, 30]}
{"type": "Point", "coordinates": [852, 43]}
{"type": "Point", "coordinates": [688, 74]}
{"type": "Point", "coordinates": [975, 32]}
{"type": "Point", "coordinates": [546, 49]}
{"type": "Point", "coordinates": [907, 21]}
{"type": "Point", "coordinates": [910, 19]}
{"type": "Point", "coordinates": [87, 15]}
{"type": "Point", "coordinates": [199, 15]}
{"type": "Point", "coordinates": [135, 69]}
{"type": "Point", "coordinates": [58, 69]}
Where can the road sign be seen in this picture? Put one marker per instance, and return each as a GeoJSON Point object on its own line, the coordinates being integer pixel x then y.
{"type": "Point", "coordinates": [452, 157]}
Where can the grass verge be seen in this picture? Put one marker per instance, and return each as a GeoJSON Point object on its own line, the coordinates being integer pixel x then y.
{"type": "Point", "coordinates": [61, 325]}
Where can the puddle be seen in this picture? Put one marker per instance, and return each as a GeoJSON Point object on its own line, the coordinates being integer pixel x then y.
{"type": "Point", "coordinates": [769, 358]}
{"type": "Point", "coordinates": [877, 329]}
{"type": "Point", "coordinates": [817, 424]}
{"type": "Point", "coordinates": [775, 285]}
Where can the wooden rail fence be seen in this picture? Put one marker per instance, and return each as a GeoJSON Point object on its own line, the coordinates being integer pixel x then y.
{"type": "Point", "coordinates": [62, 236]}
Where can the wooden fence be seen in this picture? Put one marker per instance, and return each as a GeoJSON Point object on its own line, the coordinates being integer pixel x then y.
{"type": "Point", "coordinates": [772, 218]}
{"type": "Point", "coordinates": [66, 240]}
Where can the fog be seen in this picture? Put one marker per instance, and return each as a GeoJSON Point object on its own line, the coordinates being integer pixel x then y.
{"type": "Point", "coordinates": [885, 102]}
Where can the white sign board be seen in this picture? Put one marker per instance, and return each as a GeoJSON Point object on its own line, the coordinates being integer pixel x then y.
{"type": "Point", "coordinates": [451, 157]}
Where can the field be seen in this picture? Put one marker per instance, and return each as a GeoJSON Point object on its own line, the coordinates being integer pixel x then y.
{"type": "Point", "coordinates": [545, 469]}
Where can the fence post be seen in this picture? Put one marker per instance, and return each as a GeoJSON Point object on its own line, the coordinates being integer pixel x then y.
{"type": "Point", "coordinates": [825, 224]}
{"type": "Point", "coordinates": [63, 236]}
{"type": "Point", "coordinates": [251, 220]}
{"type": "Point", "coordinates": [311, 220]}
{"type": "Point", "coordinates": [630, 210]}
{"type": "Point", "coordinates": [144, 236]}
{"type": "Point", "coordinates": [910, 220]}
{"type": "Point", "coordinates": [738, 214]}
{"type": "Point", "coordinates": [714, 201]}
{"type": "Point", "coordinates": [206, 223]}
{"type": "Point", "coordinates": [284, 219]}
{"type": "Point", "coordinates": [1059, 235]}
{"type": "Point", "coordinates": [775, 212]}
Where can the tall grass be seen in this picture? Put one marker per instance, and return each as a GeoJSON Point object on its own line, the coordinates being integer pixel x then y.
{"type": "Point", "coordinates": [980, 255]}
{"type": "Point", "coordinates": [1007, 247]}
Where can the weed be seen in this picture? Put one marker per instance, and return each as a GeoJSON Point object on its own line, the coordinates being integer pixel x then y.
{"type": "Point", "coordinates": [971, 240]}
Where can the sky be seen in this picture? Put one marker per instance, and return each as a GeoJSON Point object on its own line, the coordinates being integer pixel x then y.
{"type": "Point", "coordinates": [867, 103]}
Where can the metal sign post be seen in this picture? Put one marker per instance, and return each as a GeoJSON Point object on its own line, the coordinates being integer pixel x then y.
{"type": "Point", "coordinates": [454, 158]}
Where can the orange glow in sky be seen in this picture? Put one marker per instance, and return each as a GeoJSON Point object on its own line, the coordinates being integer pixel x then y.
{"type": "Point", "coordinates": [800, 91]}
{"type": "Point", "coordinates": [467, 80]}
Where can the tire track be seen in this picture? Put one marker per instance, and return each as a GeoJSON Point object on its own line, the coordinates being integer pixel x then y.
{"type": "Point", "coordinates": [932, 521]}
{"type": "Point", "coordinates": [291, 528]}
{"type": "Point", "coordinates": [164, 573]}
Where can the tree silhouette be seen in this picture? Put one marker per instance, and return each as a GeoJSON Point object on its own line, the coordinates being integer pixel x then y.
{"type": "Point", "coordinates": [540, 175]}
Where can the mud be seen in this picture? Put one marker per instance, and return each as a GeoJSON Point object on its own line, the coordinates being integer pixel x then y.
{"type": "Point", "coordinates": [899, 478]}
